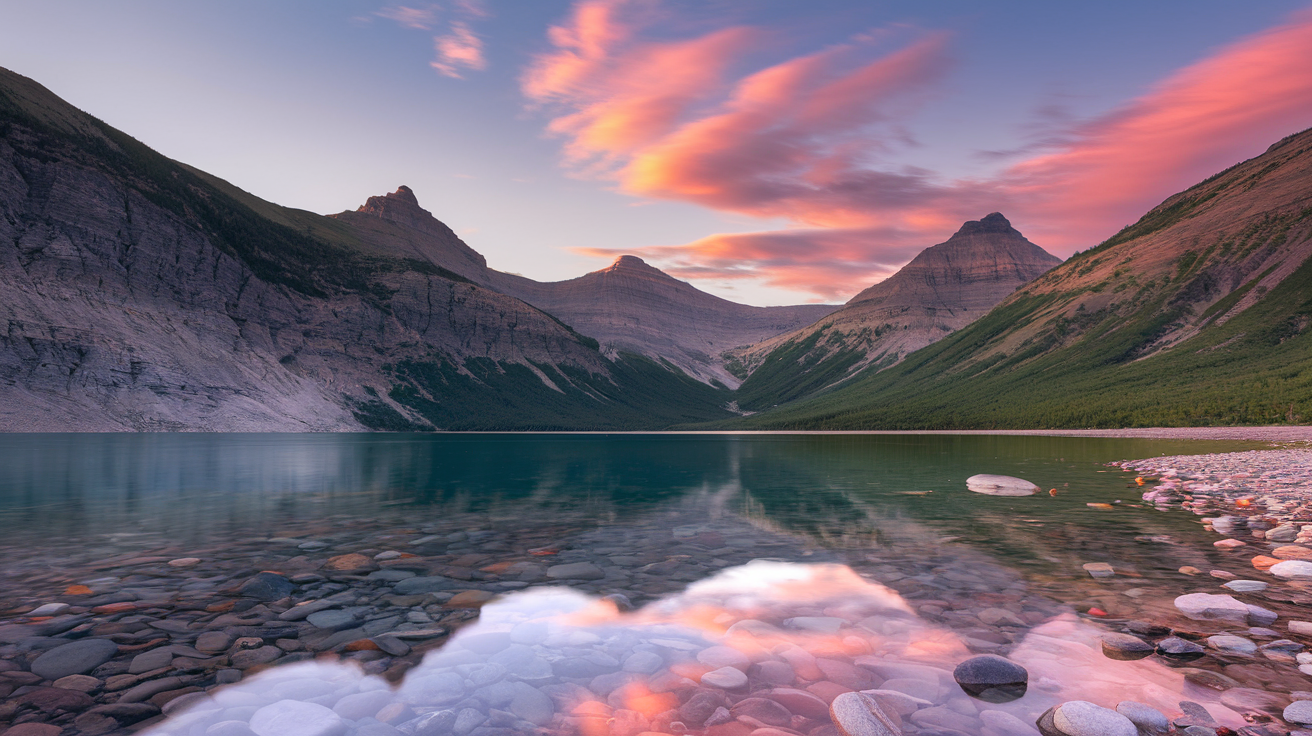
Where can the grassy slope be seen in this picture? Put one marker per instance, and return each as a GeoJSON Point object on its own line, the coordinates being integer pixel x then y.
{"type": "Point", "coordinates": [640, 394]}
{"type": "Point", "coordinates": [1083, 345]}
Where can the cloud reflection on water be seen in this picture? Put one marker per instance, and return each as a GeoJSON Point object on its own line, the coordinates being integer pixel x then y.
{"type": "Point", "coordinates": [556, 661]}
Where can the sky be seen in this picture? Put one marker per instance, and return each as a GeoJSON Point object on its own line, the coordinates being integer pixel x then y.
{"type": "Point", "coordinates": [768, 151]}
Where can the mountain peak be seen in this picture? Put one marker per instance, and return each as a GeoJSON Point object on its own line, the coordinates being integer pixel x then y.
{"type": "Point", "coordinates": [991, 223]}
{"type": "Point", "coordinates": [628, 262]}
{"type": "Point", "coordinates": [401, 205]}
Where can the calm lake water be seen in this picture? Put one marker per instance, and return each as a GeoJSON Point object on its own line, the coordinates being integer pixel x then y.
{"type": "Point", "coordinates": [200, 488]}
{"type": "Point", "coordinates": [862, 550]}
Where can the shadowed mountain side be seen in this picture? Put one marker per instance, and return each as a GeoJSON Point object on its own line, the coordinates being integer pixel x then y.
{"type": "Point", "coordinates": [1198, 314]}
{"type": "Point", "coordinates": [139, 294]}
{"type": "Point", "coordinates": [631, 306]}
{"type": "Point", "coordinates": [944, 288]}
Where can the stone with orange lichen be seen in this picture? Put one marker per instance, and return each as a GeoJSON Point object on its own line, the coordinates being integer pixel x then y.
{"type": "Point", "coordinates": [349, 563]}
{"type": "Point", "coordinates": [77, 590]}
{"type": "Point", "coordinates": [123, 607]}
{"type": "Point", "coordinates": [1262, 562]}
{"type": "Point", "coordinates": [470, 599]}
{"type": "Point", "coordinates": [498, 568]}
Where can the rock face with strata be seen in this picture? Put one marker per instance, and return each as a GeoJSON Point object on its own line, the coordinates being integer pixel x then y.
{"type": "Point", "coordinates": [944, 288]}
{"type": "Point", "coordinates": [134, 300]}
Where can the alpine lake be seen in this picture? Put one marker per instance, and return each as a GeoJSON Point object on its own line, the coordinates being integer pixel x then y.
{"type": "Point", "coordinates": [610, 585]}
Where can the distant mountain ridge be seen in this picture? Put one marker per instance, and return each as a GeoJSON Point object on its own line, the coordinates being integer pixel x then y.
{"type": "Point", "coordinates": [631, 306]}
{"type": "Point", "coordinates": [944, 288]}
{"type": "Point", "coordinates": [1197, 314]}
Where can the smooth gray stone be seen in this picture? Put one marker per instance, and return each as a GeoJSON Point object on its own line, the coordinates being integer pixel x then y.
{"type": "Point", "coordinates": [1146, 718]}
{"type": "Point", "coordinates": [74, 658]}
{"type": "Point", "coordinates": [229, 728]}
{"type": "Point", "coordinates": [333, 620]}
{"type": "Point", "coordinates": [1082, 718]}
{"type": "Point", "coordinates": [150, 660]}
{"type": "Point", "coordinates": [299, 612]}
{"type": "Point", "coordinates": [267, 586]}
{"type": "Point", "coordinates": [991, 678]}
{"type": "Point", "coordinates": [362, 705]}
{"type": "Point", "coordinates": [432, 584]}
{"type": "Point", "coordinates": [1299, 711]}
{"type": "Point", "coordinates": [532, 705]}
{"type": "Point", "coordinates": [429, 724]}
{"type": "Point", "coordinates": [296, 718]}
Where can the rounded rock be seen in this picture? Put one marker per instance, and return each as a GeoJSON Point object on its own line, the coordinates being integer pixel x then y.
{"type": "Point", "coordinates": [1299, 711]}
{"type": "Point", "coordinates": [858, 714]}
{"type": "Point", "coordinates": [1082, 718]}
{"type": "Point", "coordinates": [726, 678]}
{"type": "Point", "coordinates": [1211, 607]}
{"type": "Point", "coordinates": [1292, 570]}
{"type": "Point", "coordinates": [1125, 647]}
{"type": "Point", "coordinates": [75, 658]}
{"type": "Point", "coordinates": [1176, 650]}
{"type": "Point", "coordinates": [1146, 718]}
{"type": "Point", "coordinates": [991, 678]}
{"type": "Point", "coordinates": [296, 718]}
{"type": "Point", "coordinates": [1000, 485]}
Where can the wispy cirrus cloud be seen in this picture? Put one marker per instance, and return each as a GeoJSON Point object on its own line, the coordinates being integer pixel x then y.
{"type": "Point", "coordinates": [807, 139]}
{"type": "Point", "coordinates": [457, 47]}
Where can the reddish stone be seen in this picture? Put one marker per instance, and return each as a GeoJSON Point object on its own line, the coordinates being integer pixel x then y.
{"type": "Point", "coordinates": [77, 590]}
{"type": "Point", "coordinates": [349, 563]}
{"type": "Point", "coordinates": [470, 599]}
{"type": "Point", "coordinates": [1262, 562]}
{"type": "Point", "coordinates": [52, 699]}
{"type": "Point", "coordinates": [362, 645]}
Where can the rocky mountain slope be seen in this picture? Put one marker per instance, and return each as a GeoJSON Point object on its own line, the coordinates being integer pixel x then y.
{"type": "Point", "coordinates": [631, 306]}
{"type": "Point", "coordinates": [140, 294]}
{"type": "Point", "coordinates": [944, 288]}
{"type": "Point", "coordinates": [1197, 314]}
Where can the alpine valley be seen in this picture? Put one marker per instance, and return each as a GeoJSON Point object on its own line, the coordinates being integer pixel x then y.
{"type": "Point", "coordinates": [141, 294]}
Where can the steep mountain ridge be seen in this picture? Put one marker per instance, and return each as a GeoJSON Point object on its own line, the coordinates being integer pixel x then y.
{"type": "Point", "coordinates": [944, 288]}
{"type": "Point", "coordinates": [139, 294]}
{"type": "Point", "coordinates": [1196, 314]}
{"type": "Point", "coordinates": [631, 306]}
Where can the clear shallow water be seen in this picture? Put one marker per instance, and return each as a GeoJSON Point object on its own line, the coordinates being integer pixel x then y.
{"type": "Point", "coordinates": [202, 487]}
{"type": "Point", "coordinates": [923, 566]}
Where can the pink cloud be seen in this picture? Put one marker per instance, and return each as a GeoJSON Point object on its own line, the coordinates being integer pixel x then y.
{"type": "Point", "coordinates": [1200, 120]}
{"type": "Point", "coordinates": [803, 139]}
{"type": "Point", "coordinates": [829, 263]}
{"type": "Point", "coordinates": [417, 18]}
{"type": "Point", "coordinates": [457, 51]}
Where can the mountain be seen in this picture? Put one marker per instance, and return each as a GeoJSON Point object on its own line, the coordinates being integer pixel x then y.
{"type": "Point", "coordinates": [631, 306]}
{"type": "Point", "coordinates": [944, 288]}
{"type": "Point", "coordinates": [141, 294]}
{"type": "Point", "coordinates": [1197, 314]}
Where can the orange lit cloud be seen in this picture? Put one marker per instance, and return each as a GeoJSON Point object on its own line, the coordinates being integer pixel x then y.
{"type": "Point", "coordinates": [806, 140]}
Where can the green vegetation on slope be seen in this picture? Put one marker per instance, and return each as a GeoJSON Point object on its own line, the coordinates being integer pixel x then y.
{"type": "Point", "coordinates": [493, 395]}
{"type": "Point", "coordinates": [796, 369]}
{"type": "Point", "coordinates": [1254, 369]}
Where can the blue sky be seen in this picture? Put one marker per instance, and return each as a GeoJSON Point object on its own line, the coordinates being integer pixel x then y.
{"type": "Point", "coordinates": [319, 105]}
